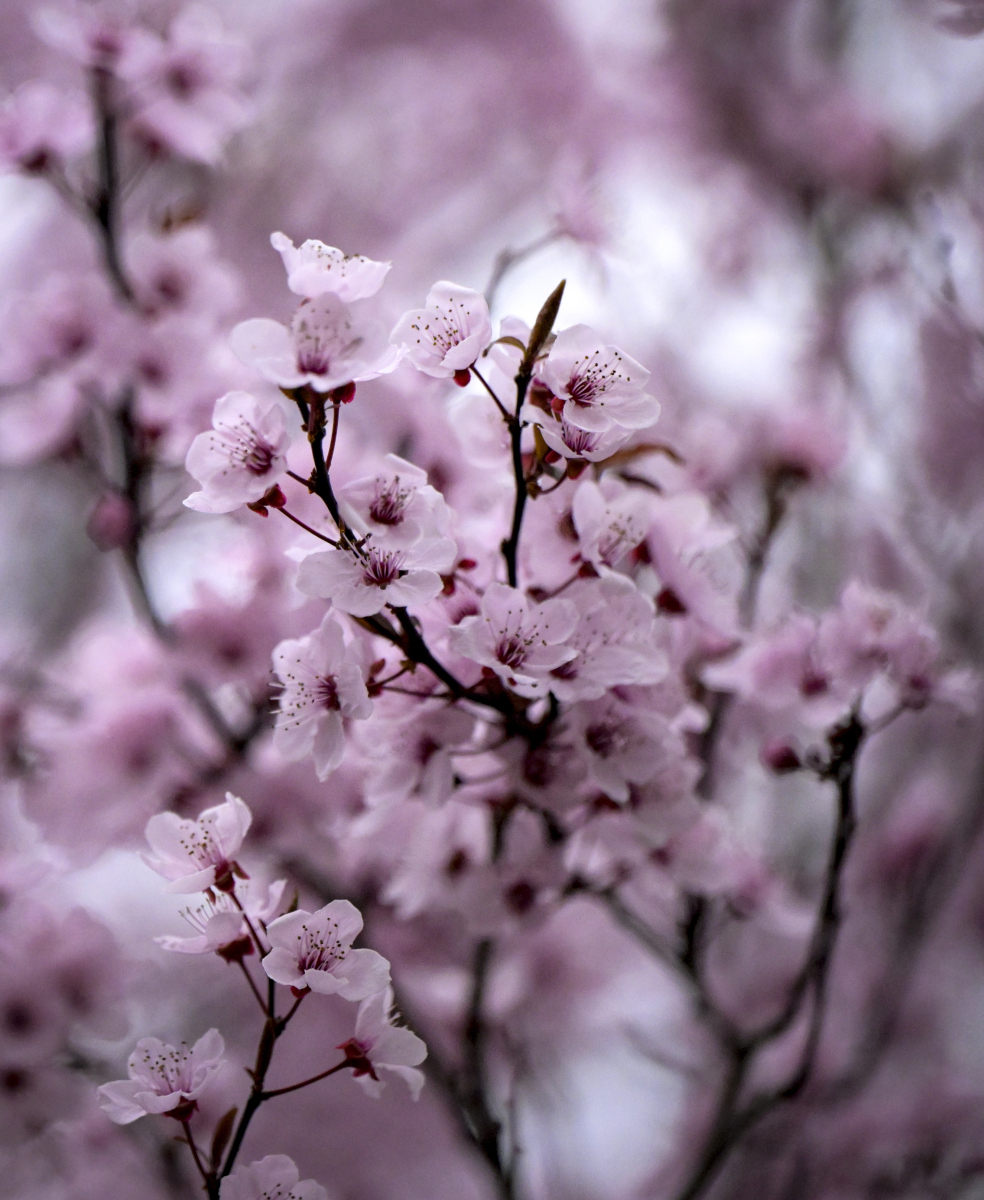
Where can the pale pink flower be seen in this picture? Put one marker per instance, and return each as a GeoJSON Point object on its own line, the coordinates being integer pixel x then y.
{"type": "Point", "coordinates": [187, 85]}
{"type": "Point", "coordinates": [162, 1078]}
{"type": "Point", "coordinates": [599, 385]}
{"type": "Point", "coordinates": [519, 640]}
{"type": "Point", "coordinates": [275, 1177]}
{"type": "Point", "coordinates": [314, 269]}
{"type": "Point", "coordinates": [41, 126]}
{"type": "Point", "coordinates": [241, 457]}
{"type": "Point", "coordinates": [622, 745]}
{"type": "Point", "coordinates": [200, 854]}
{"type": "Point", "coordinates": [449, 334]}
{"type": "Point", "coordinates": [609, 521]}
{"type": "Point", "coordinates": [322, 684]}
{"type": "Point", "coordinates": [615, 638]}
{"type": "Point", "coordinates": [314, 950]}
{"type": "Point", "coordinates": [379, 1045]}
{"type": "Point", "coordinates": [94, 34]}
{"type": "Point", "coordinates": [363, 583]}
{"type": "Point", "coordinates": [570, 441]}
{"type": "Point", "coordinates": [325, 346]}
{"type": "Point", "coordinates": [396, 505]}
{"type": "Point", "coordinates": [412, 758]}
{"type": "Point", "coordinates": [219, 923]}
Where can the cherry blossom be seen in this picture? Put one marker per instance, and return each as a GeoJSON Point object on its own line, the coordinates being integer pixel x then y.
{"type": "Point", "coordinates": [220, 923]}
{"type": "Point", "coordinates": [322, 684]}
{"type": "Point", "coordinates": [519, 640]}
{"type": "Point", "coordinates": [381, 1045]}
{"type": "Point", "coordinates": [314, 950]}
{"type": "Point", "coordinates": [41, 127]}
{"type": "Point", "coordinates": [243, 455]}
{"type": "Point", "coordinates": [570, 441]}
{"type": "Point", "coordinates": [609, 521]}
{"type": "Point", "coordinates": [325, 347]}
{"type": "Point", "coordinates": [362, 583]}
{"type": "Point", "coordinates": [163, 1078]}
{"type": "Point", "coordinates": [599, 385]}
{"type": "Point", "coordinates": [187, 85]}
{"type": "Point", "coordinates": [275, 1177]}
{"type": "Point", "coordinates": [449, 334]}
{"type": "Point", "coordinates": [396, 506]}
{"type": "Point", "coordinates": [616, 640]}
{"type": "Point", "coordinates": [199, 854]}
{"type": "Point", "coordinates": [622, 745]}
{"type": "Point", "coordinates": [314, 269]}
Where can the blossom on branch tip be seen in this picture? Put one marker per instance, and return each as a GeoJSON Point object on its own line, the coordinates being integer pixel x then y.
{"type": "Point", "coordinates": [162, 1079]}
{"type": "Point", "coordinates": [519, 640]}
{"type": "Point", "coordinates": [275, 1177]}
{"type": "Point", "coordinates": [379, 1045]}
{"type": "Point", "coordinates": [598, 385]}
{"type": "Point", "coordinates": [322, 684]}
{"type": "Point", "coordinates": [221, 925]}
{"type": "Point", "coordinates": [396, 505]}
{"type": "Point", "coordinates": [325, 347]}
{"type": "Point", "coordinates": [449, 334]}
{"type": "Point", "coordinates": [314, 950]}
{"type": "Point", "coordinates": [196, 855]}
{"type": "Point", "coordinates": [362, 583]}
{"type": "Point", "coordinates": [241, 457]}
{"type": "Point", "coordinates": [314, 269]}
{"type": "Point", "coordinates": [609, 522]}
{"type": "Point", "coordinates": [570, 441]}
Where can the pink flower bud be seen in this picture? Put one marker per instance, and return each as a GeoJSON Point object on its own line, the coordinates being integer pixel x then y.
{"type": "Point", "coordinates": [110, 524]}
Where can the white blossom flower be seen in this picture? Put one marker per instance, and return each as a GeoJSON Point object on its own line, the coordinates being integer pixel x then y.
{"type": "Point", "coordinates": [379, 1045]}
{"type": "Point", "coordinates": [615, 640]}
{"type": "Point", "coordinates": [609, 522]}
{"type": "Point", "coordinates": [325, 346]}
{"type": "Point", "coordinates": [314, 269]}
{"type": "Point", "coordinates": [275, 1177]}
{"type": "Point", "coordinates": [241, 457]}
{"type": "Point", "coordinates": [196, 855]}
{"type": "Point", "coordinates": [314, 950]}
{"type": "Point", "coordinates": [220, 924]}
{"type": "Point", "coordinates": [322, 684]}
{"type": "Point", "coordinates": [449, 334]}
{"type": "Point", "coordinates": [520, 641]}
{"type": "Point", "coordinates": [362, 584]}
{"type": "Point", "coordinates": [396, 505]}
{"type": "Point", "coordinates": [600, 385]}
{"type": "Point", "coordinates": [162, 1077]}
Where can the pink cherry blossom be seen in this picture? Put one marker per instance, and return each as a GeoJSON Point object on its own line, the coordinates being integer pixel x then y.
{"type": "Point", "coordinates": [219, 922]}
{"type": "Point", "coordinates": [199, 854]}
{"type": "Point", "coordinates": [570, 441]}
{"type": "Point", "coordinates": [517, 639]}
{"type": "Point", "coordinates": [314, 950]}
{"type": "Point", "coordinates": [241, 457]}
{"type": "Point", "coordinates": [41, 126]}
{"type": "Point", "coordinates": [94, 34]}
{"type": "Point", "coordinates": [616, 640]}
{"type": "Point", "coordinates": [381, 1045]}
{"type": "Point", "coordinates": [314, 269]}
{"type": "Point", "coordinates": [599, 385]}
{"type": "Point", "coordinates": [621, 744]}
{"type": "Point", "coordinates": [362, 583]}
{"type": "Point", "coordinates": [396, 505]}
{"type": "Point", "coordinates": [275, 1177]}
{"type": "Point", "coordinates": [610, 521]}
{"type": "Point", "coordinates": [322, 684]}
{"type": "Point", "coordinates": [187, 84]}
{"type": "Point", "coordinates": [449, 334]}
{"type": "Point", "coordinates": [326, 346]}
{"type": "Point", "coordinates": [162, 1078]}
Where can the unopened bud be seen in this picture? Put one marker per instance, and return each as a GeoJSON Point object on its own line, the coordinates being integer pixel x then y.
{"type": "Point", "coordinates": [110, 524]}
{"type": "Point", "coordinates": [274, 498]}
{"type": "Point", "coordinates": [463, 377]}
{"type": "Point", "coordinates": [344, 394]}
{"type": "Point", "coordinates": [780, 757]}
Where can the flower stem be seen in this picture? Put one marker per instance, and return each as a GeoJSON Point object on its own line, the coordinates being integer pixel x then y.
{"type": "Point", "coordinates": [306, 1082]}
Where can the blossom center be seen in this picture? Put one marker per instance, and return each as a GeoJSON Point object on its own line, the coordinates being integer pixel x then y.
{"type": "Point", "coordinates": [381, 568]}
{"type": "Point", "coordinates": [511, 650]}
{"type": "Point", "coordinates": [326, 693]}
{"type": "Point", "coordinates": [319, 950]}
{"type": "Point", "coordinates": [388, 506]}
